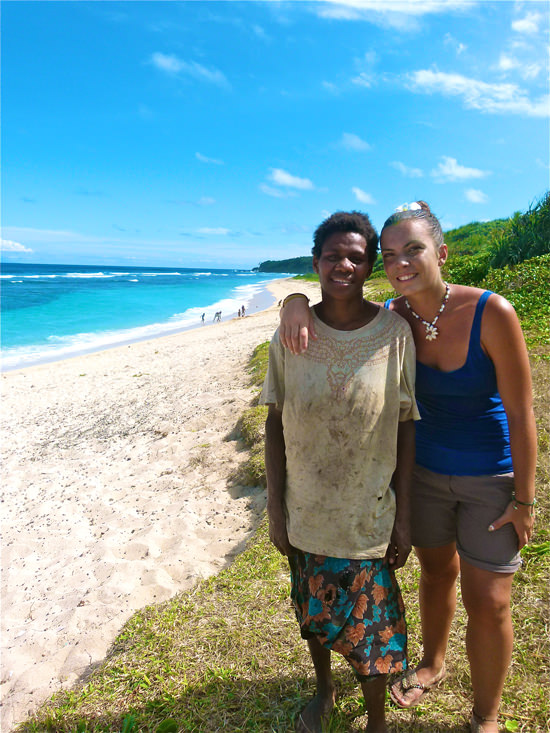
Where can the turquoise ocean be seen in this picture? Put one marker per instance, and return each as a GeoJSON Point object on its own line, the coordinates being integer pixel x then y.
{"type": "Point", "coordinates": [52, 312]}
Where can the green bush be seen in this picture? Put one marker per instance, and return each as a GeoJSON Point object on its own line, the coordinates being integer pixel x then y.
{"type": "Point", "coordinates": [258, 363]}
{"type": "Point", "coordinates": [527, 287]}
{"type": "Point", "coordinates": [524, 237]}
{"type": "Point", "coordinates": [467, 270]}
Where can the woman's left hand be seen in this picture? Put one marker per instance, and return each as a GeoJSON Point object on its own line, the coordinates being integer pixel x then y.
{"type": "Point", "coordinates": [522, 517]}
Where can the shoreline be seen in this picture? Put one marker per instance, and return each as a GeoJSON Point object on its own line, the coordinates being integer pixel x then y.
{"type": "Point", "coordinates": [259, 301]}
{"type": "Point", "coordinates": [118, 492]}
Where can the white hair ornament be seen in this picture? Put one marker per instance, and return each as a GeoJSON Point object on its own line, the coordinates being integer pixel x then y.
{"type": "Point", "coordinates": [414, 206]}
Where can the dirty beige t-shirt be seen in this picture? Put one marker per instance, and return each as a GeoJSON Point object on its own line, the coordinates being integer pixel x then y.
{"type": "Point", "coordinates": [341, 402]}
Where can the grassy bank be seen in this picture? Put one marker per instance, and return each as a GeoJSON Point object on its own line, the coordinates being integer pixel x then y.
{"type": "Point", "coordinates": [228, 656]}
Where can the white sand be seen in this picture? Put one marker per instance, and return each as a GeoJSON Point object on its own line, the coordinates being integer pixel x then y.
{"type": "Point", "coordinates": [117, 493]}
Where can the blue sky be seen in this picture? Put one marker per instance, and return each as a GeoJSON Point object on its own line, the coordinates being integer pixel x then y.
{"type": "Point", "coordinates": [222, 133]}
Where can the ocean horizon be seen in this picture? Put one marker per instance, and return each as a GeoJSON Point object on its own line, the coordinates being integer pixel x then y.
{"type": "Point", "coordinates": [54, 312]}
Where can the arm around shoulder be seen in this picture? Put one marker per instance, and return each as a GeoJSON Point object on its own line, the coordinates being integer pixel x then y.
{"type": "Point", "coordinates": [296, 323]}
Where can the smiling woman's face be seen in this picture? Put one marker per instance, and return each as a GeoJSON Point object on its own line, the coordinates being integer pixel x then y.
{"type": "Point", "coordinates": [343, 265]}
{"type": "Point", "coordinates": [410, 255]}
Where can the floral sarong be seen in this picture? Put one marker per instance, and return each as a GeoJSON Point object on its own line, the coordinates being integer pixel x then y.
{"type": "Point", "coordinates": [353, 607]}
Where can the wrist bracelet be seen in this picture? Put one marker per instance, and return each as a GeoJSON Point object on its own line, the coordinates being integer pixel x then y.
{"type": "Point", "coordinates": [294, 295]}
{"type": "Point", "coordinates": [530, 504]}
{"type": "Point", "coordinates": [524, 503]}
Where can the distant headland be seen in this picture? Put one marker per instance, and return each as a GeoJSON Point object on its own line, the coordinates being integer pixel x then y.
{"type": "Point", "coordinates": [295, 265]}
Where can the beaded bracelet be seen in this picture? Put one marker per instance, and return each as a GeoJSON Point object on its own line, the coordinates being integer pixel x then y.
{"type": "Point", "coordinates": [525, 503]}
{"type": "Point", "coordinates": [294, 295]}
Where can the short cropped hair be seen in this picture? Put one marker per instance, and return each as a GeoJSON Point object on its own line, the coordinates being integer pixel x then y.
{"type": "Point", "coordinates": [346, 221]}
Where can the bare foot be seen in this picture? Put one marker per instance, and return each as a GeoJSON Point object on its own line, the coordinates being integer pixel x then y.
{"type": "Point", "coordinates": [315, 716]}
{"type": "Point", "coordinates": [483, 725]}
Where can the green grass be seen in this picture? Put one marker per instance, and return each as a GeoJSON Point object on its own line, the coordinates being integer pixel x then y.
{"type": "Point", "coordinates": [227, 656]}
{"type": "Point", "coordinates": [258, 364]}
{"type": "Point", "coordinates": [312, 277]}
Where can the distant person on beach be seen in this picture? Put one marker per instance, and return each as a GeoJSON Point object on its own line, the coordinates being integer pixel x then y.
{"type": "Point", "coordinates": [202, 317]}
{"type": "Point", "coordinates": [339, 455]}
{"type": "Point", "coordinates": [242, 310]}
{"type": "Point", "coordinates": [473, 490]}
{"type": "Point", "coordinates": [239, 313]}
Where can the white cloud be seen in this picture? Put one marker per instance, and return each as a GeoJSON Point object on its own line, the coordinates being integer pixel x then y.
{"type": "Point", "coordinates": [282, 178]}
{"type": "Point", "coordinates": [399, 14]}
{"type": "Point", "coordinates": [171, 64]}
{"type": "Point", "coordinates": [350, 141]}
{"type": "Point", "coordinates": [450, 170]}
{"type": "Point", "coordinates": [275, 192]}
{"type": "Point", "coordinates": [450, 40]}
{"type": "Point", "coordinates": [505, 63]}
{"type": "Point", "coordinates": [529, 24]}
{"type": "Point", "coordinates": [206, 201]}
{"type": "Point", "coordinates": [362, 196]}
{"type": "Point", "coordinates": [213, 230]}
{"type": "Point", "coordinates": [476, 196]}
{"type": "Point", "coordinates": [510, 63]}
{"type": "Point", "coordinates": [406, 170]}
{"type": "Point", "coordinates": [329, 86]}
{"type": "Point", "coordinates": [363, 79]}
{"type": "Point", "coordinates": [364, 65]}
{"type": "Point", "coordinates": [204, 159]}
{"type": "Point", "coordinates": [491, 98]}
{"type": "Point", "coordinates": [7, 245]}
{"type": "Point", "coordinates": [530, 71]}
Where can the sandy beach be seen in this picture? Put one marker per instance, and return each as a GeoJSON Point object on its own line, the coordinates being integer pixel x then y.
{"type": "Point", "coordinates": [117, 492]}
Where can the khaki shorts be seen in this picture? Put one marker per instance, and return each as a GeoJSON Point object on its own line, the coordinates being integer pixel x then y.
{"type": "Point", "coordinates": [459, 509]}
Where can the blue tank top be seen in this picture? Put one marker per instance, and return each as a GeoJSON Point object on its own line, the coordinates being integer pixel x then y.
{"type": "Point", "coordinates": [464, 429]}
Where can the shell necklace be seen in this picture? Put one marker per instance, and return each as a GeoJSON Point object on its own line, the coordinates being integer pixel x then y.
{"type": "Point", "coordinates": [431, 331]}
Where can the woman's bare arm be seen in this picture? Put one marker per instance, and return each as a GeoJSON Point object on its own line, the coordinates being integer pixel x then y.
{"type": "Point", "coordinates": [296, 325]}
{"type": "Point", "coordinates": [503, 340]}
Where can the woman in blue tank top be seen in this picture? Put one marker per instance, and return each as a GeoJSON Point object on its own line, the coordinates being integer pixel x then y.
{"type": "Point", "coordinates": [472, 497]}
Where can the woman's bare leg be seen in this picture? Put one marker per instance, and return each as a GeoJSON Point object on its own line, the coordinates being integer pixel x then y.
{"type": "Point", "coordinates": [489, 636]}
{"type": "Point", "coordinates": [439, 570]}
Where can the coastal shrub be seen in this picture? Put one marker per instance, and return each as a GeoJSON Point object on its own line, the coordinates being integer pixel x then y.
{"type": "Point", "coordinates": [527, 287]}
{"type": "Point", "coordinates": [257, 365]}
{"type": "Point", "coordinates": [312, 277]}
{"type": "Point", "coordinates": [478, 248]}
{"type": "Point", "coordinates": [252, 471]}
{"type": "Point", "coordinates": [467, 270]}
{"type": "Point", "coordinates": [525, 236]}
{"type": "Point", "coordinates": [472, 238]}
{"type": "Point", "coordinates": [251, 425]}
